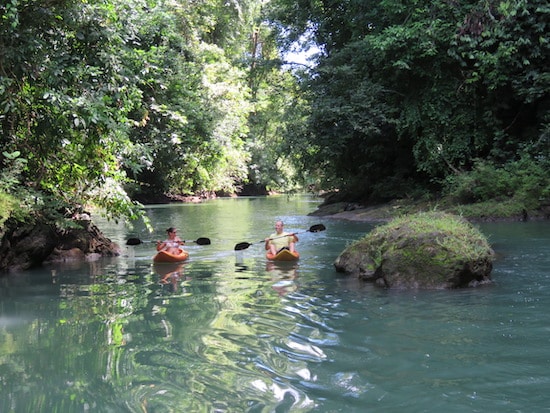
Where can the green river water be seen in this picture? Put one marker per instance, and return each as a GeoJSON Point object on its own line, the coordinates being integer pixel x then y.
{"type": "Point", "coordinates": [229, 332]}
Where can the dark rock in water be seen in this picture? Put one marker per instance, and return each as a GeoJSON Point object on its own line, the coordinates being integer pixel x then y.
{"type": "Point", "coordinates": [426, 250]}
{"type": "Point", "coordinates": [253, 190]}
{"type": "Point", "coordinates": [26, 246]}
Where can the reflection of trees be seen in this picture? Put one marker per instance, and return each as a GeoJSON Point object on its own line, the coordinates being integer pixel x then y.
{"type": "Point", "coordinates": [234, 359]}
{"type": "Point", "coordinates": [120, 342]}
{"type": "Point", "coordinates": [67, 347]}
{"type": "Point", "coordinates": [223, 349]}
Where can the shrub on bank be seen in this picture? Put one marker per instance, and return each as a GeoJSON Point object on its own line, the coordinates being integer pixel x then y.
{"type": "Point", "coordinates": [7, 204]}
{"type": "Point", "coordinates": [522, 184]}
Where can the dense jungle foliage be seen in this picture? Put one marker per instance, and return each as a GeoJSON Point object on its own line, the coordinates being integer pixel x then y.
{"type": "Point", "coordinates": [105, 101]}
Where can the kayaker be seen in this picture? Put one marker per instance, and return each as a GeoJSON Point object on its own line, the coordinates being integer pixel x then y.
{"type": "Point", "coordinates": [280, 239]}
{"type": "Point", "coordinates": [171, 245]}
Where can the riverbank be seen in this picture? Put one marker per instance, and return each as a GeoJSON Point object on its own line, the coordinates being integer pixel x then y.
{"type": "Point", "coordinates": [493, 212]}
{"type": "Point", "coordinates": [504, 211]}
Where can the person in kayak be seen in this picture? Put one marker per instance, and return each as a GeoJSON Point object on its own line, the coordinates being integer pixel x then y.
{"type": "Point", "coordinates": [280, 240]}
{"type": "Point", "coordinates": [173, 244]}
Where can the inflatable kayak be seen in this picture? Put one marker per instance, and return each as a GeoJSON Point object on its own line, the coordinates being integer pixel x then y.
{"type": "Point", "coordinates": [283, 255]}
{"type": "Point", "coordinates": [165, 256]}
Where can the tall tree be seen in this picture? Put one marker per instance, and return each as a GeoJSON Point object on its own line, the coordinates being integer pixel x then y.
{"type": "Point", "coordinates": [66, 96]}
{"type": "Point", "coordinates": [95, 91]}
{"type": "Point", "coordinates": [414, 91]}
{"type": "Point", "coordinates": [196, 90]}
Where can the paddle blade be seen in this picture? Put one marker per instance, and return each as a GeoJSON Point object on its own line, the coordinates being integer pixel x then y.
{"type": "Point", "coordinates": [317, 228]}
{"type": "Point", "coordinates": [203, 241]}
{"type": "Point", "coordinates": [133, 241]}
{"type": "Point", "coordinates": [242, 246]}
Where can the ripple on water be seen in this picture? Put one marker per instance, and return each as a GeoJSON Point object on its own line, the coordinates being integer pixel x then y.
{"type": "Point", "coordinates": [179, 381]}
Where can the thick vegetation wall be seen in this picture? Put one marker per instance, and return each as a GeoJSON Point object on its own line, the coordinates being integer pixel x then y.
{"type": "Point", "coordinates": [103, 102]}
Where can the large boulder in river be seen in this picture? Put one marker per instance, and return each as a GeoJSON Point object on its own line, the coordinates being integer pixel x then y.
{"type": "Point", "coordinates": [25, 246]}
{"type": "Point", "coordinates": [426, 250]}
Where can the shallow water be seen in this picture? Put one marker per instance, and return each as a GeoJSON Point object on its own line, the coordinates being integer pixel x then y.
{"type": "Point", "coordinates": [228, 332]}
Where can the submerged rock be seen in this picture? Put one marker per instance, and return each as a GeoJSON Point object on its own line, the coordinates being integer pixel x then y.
{"type": "Point", "coordinates": [426, 250]}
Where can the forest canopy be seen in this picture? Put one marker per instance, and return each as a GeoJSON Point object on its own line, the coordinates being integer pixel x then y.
{"type": "Point", "coordinates": [108, 102]}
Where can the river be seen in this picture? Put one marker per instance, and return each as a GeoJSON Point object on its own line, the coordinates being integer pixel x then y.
{"type": "Point", "coordinates": [228, 332]}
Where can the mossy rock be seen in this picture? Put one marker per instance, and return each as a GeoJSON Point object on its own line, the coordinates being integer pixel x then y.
{"type": "Point", "coordinates": [432, 250]}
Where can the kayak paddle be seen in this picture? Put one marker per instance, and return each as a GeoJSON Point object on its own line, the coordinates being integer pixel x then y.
{"type": "Point", "coordinates": [244, 245]}
{"type": "Point", "coordinates": [137, 241]}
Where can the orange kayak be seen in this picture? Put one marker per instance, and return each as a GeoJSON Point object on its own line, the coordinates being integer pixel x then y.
{"type": "Point", "coordinates": [283, 255]}
{"type": "Point", "coordinates": [164, 256]}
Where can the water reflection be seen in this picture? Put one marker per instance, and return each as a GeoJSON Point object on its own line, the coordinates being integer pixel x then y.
{"type": "Point", "coordinates": [231, 332]}
{"type": "Point", "coordinates": [283, 275]}
{"type": "Point", "coordinates": [170, 275]}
